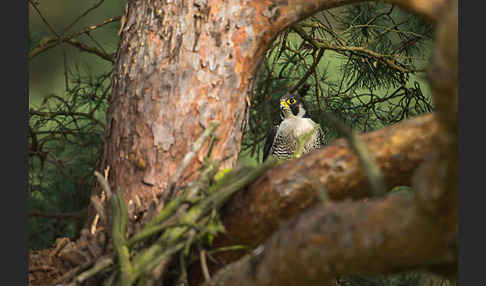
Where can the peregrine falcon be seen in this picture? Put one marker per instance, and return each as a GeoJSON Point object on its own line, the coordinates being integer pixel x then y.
{"type": "Point", "coordinates": [282, 139]}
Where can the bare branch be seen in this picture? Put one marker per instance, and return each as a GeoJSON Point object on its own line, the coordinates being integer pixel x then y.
{"type": "Point", "coordinates": [91, 50]}
{"type": "Point", "coordinates": [310, 71]}
{"type": "Point", "coordinates": [55, 41]}
{"type": "Point", "coordinates": [83, 15]}
{"type": "Point", "coordinates": [44, 19]}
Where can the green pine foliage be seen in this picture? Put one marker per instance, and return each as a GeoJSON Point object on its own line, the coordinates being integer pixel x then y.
{"type": "Point", "coordinates": [65, 136]}
{"type": "Point", "coordinates": [366, 65]}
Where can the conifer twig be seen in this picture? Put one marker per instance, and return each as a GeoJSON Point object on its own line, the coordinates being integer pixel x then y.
{"type": "Point", "coordinates": [101, 265]}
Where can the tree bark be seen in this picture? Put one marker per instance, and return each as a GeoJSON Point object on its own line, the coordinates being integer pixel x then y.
{"type": "Point", "coordinates": [175, 73]}
{"type": "Point", "coordinates": [335, 239]}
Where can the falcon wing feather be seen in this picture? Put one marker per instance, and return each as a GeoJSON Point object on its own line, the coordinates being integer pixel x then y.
{"type": "Point", "coordinates": [271, 133]}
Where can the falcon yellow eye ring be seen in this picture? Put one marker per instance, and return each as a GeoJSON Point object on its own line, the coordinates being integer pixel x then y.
{"type": "Point", "coordinates": [291, 101]}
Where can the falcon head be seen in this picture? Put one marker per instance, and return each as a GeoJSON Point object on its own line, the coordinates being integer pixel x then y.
{"type": "Point", "coordinates": [292, 105]}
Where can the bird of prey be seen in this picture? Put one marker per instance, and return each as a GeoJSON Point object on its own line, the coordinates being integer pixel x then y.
{"type": "Point", "coordinates": [283, 139]}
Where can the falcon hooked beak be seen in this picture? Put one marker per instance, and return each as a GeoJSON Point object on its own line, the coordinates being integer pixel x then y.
{"type": "Point", "coordinates": [284, 105]}
{"type": "Point", "coordinates": [285, 110]}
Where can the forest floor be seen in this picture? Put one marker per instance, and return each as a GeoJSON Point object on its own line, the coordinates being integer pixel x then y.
{"type": "Point", "coordinates": [46, 267]}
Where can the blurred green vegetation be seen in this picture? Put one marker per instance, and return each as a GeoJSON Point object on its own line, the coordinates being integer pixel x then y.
{"type": "Point", "coordinates": [47, 71]}
{"type": "Point", "coordinates": [66, 134]}
{"type": "Point", "coordinates": [67, 99]}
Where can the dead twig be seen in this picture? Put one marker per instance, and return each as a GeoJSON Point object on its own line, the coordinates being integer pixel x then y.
{"type": "Point", "coordinates": [104, 184]}
{"type": "Point", "coordinates": [83, 15]}
{"type": "Point", "coordinates": [44, 19]}
{"type": "Point", "coordinates": [102, 264]}
{"type": "Point", "coordinates": [204, 265]}
{"type": "Point", "coordinates": [92, 50]}
{"type": "Point", "coordinates": [52, 42]}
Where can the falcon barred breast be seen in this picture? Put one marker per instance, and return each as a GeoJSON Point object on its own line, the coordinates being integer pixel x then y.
{"type": "Point", "coordinates": [282, 139]}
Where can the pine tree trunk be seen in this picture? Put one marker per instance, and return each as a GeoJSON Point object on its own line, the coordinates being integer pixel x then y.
{"type": "Point", "coordinates": [178, 69]}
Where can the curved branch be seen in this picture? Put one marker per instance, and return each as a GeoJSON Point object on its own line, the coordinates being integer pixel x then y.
{"type": "Point", "coordinates": [281, 14]}
{"type": "Point", "coordinates": [383, 236]}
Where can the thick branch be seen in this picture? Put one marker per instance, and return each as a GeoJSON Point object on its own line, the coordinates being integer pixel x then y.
{"type": "Point", "coordinates": [285, 13]}
{"type": "Point", "coordinates": [387, 235]}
